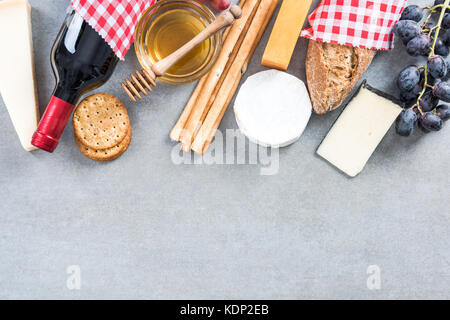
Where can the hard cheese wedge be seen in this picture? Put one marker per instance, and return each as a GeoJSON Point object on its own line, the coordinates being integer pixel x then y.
{"type": "Point", "coordinates": [17, 85]}
{"type": "Point", "coordinates": [359, 130]}
{"type": "Point", "coordinates": [285, 33]}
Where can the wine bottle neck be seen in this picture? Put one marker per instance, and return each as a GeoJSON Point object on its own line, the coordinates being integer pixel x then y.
{"type": "Point", "coordinates": [66, 94]}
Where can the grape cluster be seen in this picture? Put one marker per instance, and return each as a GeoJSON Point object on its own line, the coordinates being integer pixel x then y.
{"type": "Point", "coordinates": [423, 87]}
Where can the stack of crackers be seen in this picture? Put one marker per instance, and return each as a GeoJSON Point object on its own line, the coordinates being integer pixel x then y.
{"type": "Point", "coordinates": [102, 127]}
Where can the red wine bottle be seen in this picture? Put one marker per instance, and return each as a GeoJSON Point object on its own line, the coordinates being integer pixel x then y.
{"type": "Point", "coordinates": [82, 61]}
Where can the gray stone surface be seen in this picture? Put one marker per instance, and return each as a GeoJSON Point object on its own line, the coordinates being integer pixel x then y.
{"type": "Point", "coordinates": [143, 227]}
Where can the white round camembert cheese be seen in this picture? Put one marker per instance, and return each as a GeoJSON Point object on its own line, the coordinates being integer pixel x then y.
{"type": "Point", "coordinates": [273, 108]}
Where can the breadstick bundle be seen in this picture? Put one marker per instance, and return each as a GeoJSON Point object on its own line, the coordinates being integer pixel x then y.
{"type": "Point", "coordinates": [202, 115]}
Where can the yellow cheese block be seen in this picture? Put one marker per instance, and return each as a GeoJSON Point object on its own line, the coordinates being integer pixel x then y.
{"type": "Point", "coordinates": [285, 33]}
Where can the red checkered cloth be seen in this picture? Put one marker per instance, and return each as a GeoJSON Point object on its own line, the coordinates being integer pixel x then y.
{"type": "Point", "coordinates": [359, 23]}
{"type": "Point", "coordinates": [114, 20]}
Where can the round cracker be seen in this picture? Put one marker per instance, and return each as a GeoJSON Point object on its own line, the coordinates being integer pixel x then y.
{"type": "Point", "coordinates": [101, 121]}
{"type": "Point", "coordinates": [104, 155]}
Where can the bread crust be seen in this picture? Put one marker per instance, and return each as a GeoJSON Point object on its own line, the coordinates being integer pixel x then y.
{"type": "Point", "coordinates": [332, 71]}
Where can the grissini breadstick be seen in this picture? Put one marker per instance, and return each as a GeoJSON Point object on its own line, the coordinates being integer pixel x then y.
{"type": "Point", "coordinates": [175, 134]}
{"type": "Point", "coordinates": [243, 71]}
{"type": "Point", "coordinates": [186, 145]}
{"type": "Point", "coordinates": [217, 123]}
{"type": "Point", "coordinates": [200, 109]}
{"type": "Point", "coordinates": [177, 130]}
{"type": "Point", "coordinates": [234, 74]}
{"type": "Point", "coordinates": [194, 123]}
{"type": "Point", "coordinates": [227, 30]}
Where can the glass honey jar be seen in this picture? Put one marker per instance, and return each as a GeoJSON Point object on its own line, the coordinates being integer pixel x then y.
{"type": "Point", "coordinates": [168, 25]}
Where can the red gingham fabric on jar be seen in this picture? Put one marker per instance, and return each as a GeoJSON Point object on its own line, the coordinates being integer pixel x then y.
{"type": "Point", "coordinates": [114, 20]}
{"type": "Point", "coordinates": [359, 23]}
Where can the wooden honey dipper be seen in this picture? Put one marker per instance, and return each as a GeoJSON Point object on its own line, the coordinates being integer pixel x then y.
{"type": "Point", "coordinates": [146, 78]}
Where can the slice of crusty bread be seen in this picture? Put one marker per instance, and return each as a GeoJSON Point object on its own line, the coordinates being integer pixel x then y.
{"type": "Point", "coordinates": [332, 71]}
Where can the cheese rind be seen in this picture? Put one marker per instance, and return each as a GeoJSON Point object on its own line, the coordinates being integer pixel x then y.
{"type": "Point", "coordinates": [17, 83]}
{"type": "Point", "coordinates": [273, 108]}
{"type": "Point", "coordinates": [358, 131]}
{"type": "Point", "coordinates": [285, 33]}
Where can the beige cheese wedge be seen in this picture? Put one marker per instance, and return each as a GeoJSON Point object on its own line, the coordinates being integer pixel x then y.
{"type": "Point", "coordinates": [358, 131]}
{"type": "Point", "coordinates": [17, 83]}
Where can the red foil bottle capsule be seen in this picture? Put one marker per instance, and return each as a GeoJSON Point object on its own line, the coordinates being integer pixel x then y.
{"type": "Point", "coordinates": [82, 61]}
{"type": "Point", "coordinates": [52, 124]}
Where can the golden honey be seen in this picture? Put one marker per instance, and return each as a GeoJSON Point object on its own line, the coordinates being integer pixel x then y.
{"type": "Point", "coordinates": [166, 27]}
{"type": "Point", "coordinates": [172, 30]}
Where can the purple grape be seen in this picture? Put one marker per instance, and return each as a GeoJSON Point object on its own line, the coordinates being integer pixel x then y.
{"type": "Point", "coordinates": [430, 80]}
{"type": "Point", "coordinates": [405, 123]}
{"type": "Point", "coordinates": [420, 126]}
{"type": "Point", "coordinates": [428, 101]}
{"type": "Point", "coordinates": [408, 78]}
{"type": "Point", "coordinates": [410, 97]}
{"type": "Point", "coordinates": [412, 12]}
{"type": "Point", "coordinates": [419, 45]}
{"type": "Point", "coordinates": [441, 90]}
{"type": "Point", "coordinates": [443, 112]}
{"type": "Point", "coordinates": [441, 48]}
{"type": "Point", "coordinates": [431, 122]}
{"type": "Point", "coordinates": [437, 67]}
{"type": "Point", "coordinates": [407, 30]}
{"type": "Point", "coordinates": [446, 22]}
{"type": "Point", "coordinates": [448, 72]}
{"type": "Point", "coordinates": [446, 38]}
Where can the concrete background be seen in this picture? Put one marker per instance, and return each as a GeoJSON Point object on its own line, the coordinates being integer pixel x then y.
{"type": "Point", "coordinates": [143, 227]}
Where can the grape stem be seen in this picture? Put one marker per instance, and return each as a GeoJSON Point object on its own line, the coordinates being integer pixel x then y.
{"type": "Point", "coordinates": [429, 16]}
{"type": "Point", "coordinates": [436, 35]}
{"type": "Point", "coordinates": [438, 27]}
